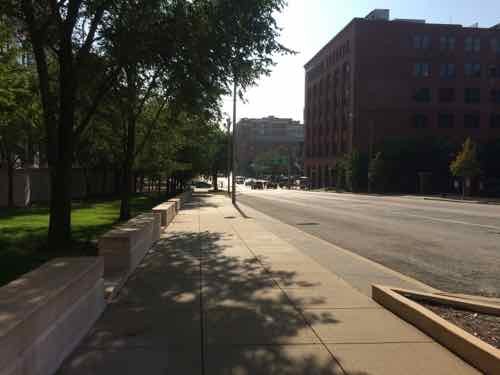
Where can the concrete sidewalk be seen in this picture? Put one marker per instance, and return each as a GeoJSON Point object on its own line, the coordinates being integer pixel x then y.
{"type": "Point", "coordinates": [222, 294]}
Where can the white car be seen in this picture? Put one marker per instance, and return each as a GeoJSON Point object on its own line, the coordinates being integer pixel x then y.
{"type": "Point", "coordinates": [250, 181]}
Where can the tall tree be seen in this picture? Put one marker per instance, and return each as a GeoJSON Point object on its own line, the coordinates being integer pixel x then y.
{"type": "Point", "coordinates": [65, 34]}
{"type": "Point", "coordinates": [199, 45]}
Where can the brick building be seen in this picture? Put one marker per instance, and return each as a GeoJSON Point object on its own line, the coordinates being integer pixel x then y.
{"type": "Point", "coordinates": [380, 78]}
{"type": "Point", "coordinates": [257, 136]}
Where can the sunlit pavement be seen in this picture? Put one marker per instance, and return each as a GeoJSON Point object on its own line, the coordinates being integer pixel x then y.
{"type": "Point", "coordinates": [221, 294]}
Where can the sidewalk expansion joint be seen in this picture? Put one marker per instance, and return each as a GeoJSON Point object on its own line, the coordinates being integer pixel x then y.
{"type": "Point", "coordinates": [294, 306]}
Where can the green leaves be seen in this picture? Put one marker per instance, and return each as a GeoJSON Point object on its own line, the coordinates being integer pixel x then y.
{"type": "Point", "coordinates": [466, 163]}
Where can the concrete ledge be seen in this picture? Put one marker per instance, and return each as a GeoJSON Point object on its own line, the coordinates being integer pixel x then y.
{"type": "Point", "coordinates": [481, 305]}
{"type": "Point", "coordinates": [481, 355]}
{"type": "Point", "coordinates": [45, 313]}
{"type": "Point", "coordinates": [182, 198]}
{"type": "Point", "coordinates": [170, 208]}
{"type": "Point", "coordinates": [167, 212]}
{"type": "Point", "coordinates": [124, 246]}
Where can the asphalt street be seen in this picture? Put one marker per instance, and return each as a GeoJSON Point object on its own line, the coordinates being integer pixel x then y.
{"type": "Point", "coordinates": [451, 246]}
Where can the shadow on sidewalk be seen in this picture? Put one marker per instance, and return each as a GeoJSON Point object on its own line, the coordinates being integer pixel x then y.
{"type": "Point", "coordinates": [196, 305]}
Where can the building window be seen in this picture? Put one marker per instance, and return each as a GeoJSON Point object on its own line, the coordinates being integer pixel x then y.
{"type": "Point", "coordinates": [421, 42]}
{"type": "Point", "coordinates": [472, 44]}
{"type": "Point", "coordinates": [472, 70]}
{"type": "Point", "coordinates": [447, 43]}
{"type": "Point", "coordinates": [472, 95]}
{"type": "Point", "coordinates": [493, 71]}
{"type": "Point", "coordinates": [495, 96]}
{"type": "Point", "coordinates": [446, 120]}
{"type": "Point", "coordinates": [422, 95]}
{"type": "Point", "coordinates": [495, 120]}
{"type": "Point", "coordinates": [471, 121]}
{"type": "Point", "coordinates": [347, 68]}
{"type": "Point", "coordinates": [419, 121]}
{"type": "Point", "coordinates": [447, 95]}
{"type": "Point", "coordinates": [495, 45]}
{"type": "Point", "coordinates": [422, 70]}
{"type": "Point", "coordinates": [447, 71]}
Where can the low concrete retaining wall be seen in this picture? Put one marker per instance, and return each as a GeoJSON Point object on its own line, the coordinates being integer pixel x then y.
{"type": "Point", "coordinates": [124, 246]}
{"type": "Point", "coordinates": [45, 313]}
{"type": "Point", "coordinates": [169, 209]}
{"type": "Point", "coordinates": [180, 199]}
{"type": "Point", "coordinates": [167, 212]}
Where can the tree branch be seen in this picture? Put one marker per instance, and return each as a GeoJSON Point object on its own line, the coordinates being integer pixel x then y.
{"type": "Point", "coordinates": [148, 93]}
{"type": "Point", "coordinates": [89, 40]}
{"type": "Point", "coordinates": [73, 10]}
{"type": "Point", "coordinates": [37, 40]}
{"type": "Point", "coordinates": [101, 93]}
{"type": "Point", "coordinates": [150, 129]}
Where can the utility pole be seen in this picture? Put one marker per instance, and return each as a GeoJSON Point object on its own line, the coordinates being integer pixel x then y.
{"type": "Point", "coordinates": [228, 169]}
{"type": "Point", "coordinates": [233, 159]}
{"type": "Point", "coordinates": [289, 166]}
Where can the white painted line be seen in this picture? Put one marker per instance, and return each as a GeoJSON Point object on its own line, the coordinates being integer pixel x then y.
{"type": "Point", "coordinates": [453, 221]}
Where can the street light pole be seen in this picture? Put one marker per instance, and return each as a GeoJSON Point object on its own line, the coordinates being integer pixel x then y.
{"type": "Point", "coordinates": [228, 169]}
{"type": "Point", "coordinates": [233, 160]}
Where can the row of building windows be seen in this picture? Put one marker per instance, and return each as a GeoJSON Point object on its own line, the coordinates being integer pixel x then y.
{"type": "Point", "coordinates": [448, 43]}
{"type": "Point", "coordinates": [331, 59]}
{"type": "Point", "coordinates": [330, 80]}
{"type": "Point", "coordinates": [447, 120]}
{"type": "Point", "coordinates": [472, 95]}
{"type": "Point", "coordinates": [449, 70]}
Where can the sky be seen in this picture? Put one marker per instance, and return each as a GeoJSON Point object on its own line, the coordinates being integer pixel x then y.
{"type": "Point", "coordinates": [309, 24]}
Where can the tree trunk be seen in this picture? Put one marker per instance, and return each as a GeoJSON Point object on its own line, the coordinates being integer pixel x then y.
{"type": "Point", "coordinates": [127, 173]}
{"type": "Point", "coordinates": [127, 176]}
{"type": "Point", "coordinates": [10, 176]}
{"type": "Point", "coordinates": [60, 206]}
{"type": "Point", "coordinates": [117, 179]}
{"type": "Point", "coordinates": [104, 182]}
{"type": "Point", "coordinates": [61, 178]}
{"type": "Point", "coordinates": [214, 181]}
{"type": "Point", "coordinates": [126, 190]}
{"type": "Point", "coordinates": [142, 183]}
{"type": "Point", "coordinates": [87, 183]}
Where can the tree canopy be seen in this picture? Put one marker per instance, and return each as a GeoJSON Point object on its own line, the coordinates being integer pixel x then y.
{"type": "Point", "coordinates": [120, 75]}
{"type": "Point", "coordinates": [466, 164]}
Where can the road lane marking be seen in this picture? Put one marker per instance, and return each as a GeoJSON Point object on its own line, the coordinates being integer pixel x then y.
{"type": "Point", "coordinates": [288, 201]}
{"type": "Point", "coordinates": [453, 221]}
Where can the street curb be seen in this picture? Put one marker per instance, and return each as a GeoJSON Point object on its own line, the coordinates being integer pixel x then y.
{"type": "Point", "coordinates": [352, 254]}
{"type": "Point", "coordinates": [461, 201]}
{"type": "Point", "coordinates": [479, 354]}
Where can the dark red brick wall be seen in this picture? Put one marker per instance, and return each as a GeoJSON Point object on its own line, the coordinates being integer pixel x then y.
{"type": "Point", "coordinates": [381, 103]}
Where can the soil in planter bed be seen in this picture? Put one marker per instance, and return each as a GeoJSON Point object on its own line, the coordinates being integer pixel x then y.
{"type": "Point", "coordinates": [483, 326]}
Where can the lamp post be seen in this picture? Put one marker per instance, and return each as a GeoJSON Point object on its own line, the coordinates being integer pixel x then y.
{"type": "Point", "coordinates": [233, 159]}
{"type": "Point", "coordinates": [228, 166]}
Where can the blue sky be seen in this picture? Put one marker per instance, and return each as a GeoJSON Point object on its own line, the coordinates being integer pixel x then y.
{"type": "Point", "coordinates": [310, 24]}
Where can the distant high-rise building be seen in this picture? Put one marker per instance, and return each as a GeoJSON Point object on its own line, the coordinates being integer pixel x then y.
{"type": "Point", "coordinates": [380, 78]}
{"type": "Point", "coordinates": [257, 136]}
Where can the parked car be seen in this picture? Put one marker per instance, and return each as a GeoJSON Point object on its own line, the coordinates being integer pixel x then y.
{"type": "Point", "coordinates": [259, 184]}
{"type": "Point", "coordinates": [240, 180]}
{"type": "Point", "coordinates": [200, 184]}
{"type": "Point", "coordinates": [249, 181]}
{"type": "Point", "coordinates": [303, 183]}
{"type": "Point", "coordinates": [272, 185]}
